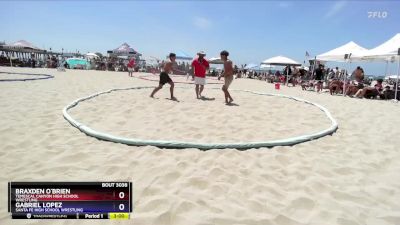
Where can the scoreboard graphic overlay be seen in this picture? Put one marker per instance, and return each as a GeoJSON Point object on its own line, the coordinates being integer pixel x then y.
{"type": "Point", "coordinates": [70, 200]}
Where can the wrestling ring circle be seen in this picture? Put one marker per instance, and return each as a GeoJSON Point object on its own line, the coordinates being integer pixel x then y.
{"type": "Point", "coordinates": [203, 146]}
{"type": "Point", "coordinates": [41, 76]}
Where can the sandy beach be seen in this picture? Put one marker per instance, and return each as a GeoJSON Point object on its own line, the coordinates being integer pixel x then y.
{"type": "Point", "coordinates": [348, 178]}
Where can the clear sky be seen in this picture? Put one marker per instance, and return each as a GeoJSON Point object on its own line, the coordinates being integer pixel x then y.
{"type": "Point", "coordinates": [251, 31]}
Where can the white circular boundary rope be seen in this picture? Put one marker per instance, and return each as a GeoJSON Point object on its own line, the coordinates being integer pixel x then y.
{"type": "Point", "coordinates": [204, 146]}
{"type": "Point", "coordinates": [41, 76]}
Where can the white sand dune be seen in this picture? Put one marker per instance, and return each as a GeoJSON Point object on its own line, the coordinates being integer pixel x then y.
{"type": "Point", "coordinates": [349, 178]}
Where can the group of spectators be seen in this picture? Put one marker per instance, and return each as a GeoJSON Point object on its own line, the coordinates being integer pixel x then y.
{"type": "Point", "coordinates": [320, 78]}
{"type": "Point", "coordinates": [360, 87]}
{"type": "Point", "coordinates": [355, 84]}
{"type": "Point", "coordinates": [109, 64]}
{"type": "Point", "coordinates": [332, 79]}
{"type": "Point", "coordinates": [183, 68]}
{"type": "Point", "coordinates": [118, 64]}
{"type": "Point", "coordinates": [293, 74]}
{"type": "Point", "coordinates": [51, 61]}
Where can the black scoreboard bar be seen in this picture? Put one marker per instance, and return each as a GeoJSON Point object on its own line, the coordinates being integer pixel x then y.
{"type": "Point", "coordinates": [70, 200]}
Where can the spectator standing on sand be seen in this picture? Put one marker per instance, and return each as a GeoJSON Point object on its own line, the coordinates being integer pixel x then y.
{"type": "Point", "coordinates": [131, 66]}
{"type": "Point", "coordinates": [200, 66]}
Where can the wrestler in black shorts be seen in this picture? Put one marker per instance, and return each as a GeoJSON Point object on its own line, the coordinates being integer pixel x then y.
{"type": "Point", "coordinates": [164, 78]}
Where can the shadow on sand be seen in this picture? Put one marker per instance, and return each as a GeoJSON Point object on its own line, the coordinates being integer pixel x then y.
{"type": "Point", "coordinates": [231, 104]}
{"type": "Point", "coordinates": [206, 99]}
{"type": "Point", "coordinates": [173, 99]}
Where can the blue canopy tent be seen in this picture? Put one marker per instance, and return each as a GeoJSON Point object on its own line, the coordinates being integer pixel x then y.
{"type": "Point", "coordinates": [251, 66]}
{"type": "Point", "coordinates": [77, 62]}
{"type": "Point", "coordinates": [258, 67]}
{"type": "Point", "coordinates": [181, 55]}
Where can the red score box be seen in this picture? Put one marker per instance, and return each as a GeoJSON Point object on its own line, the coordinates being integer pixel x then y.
{"type": "Point", "coordinates": [90, 195]}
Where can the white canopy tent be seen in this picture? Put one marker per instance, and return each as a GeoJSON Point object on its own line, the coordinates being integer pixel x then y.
{"type": "Point", "coordinates": [390, 77]}
{"type": "Point", "coordinates": [337, 54]}
{"type": "Point", "coordinates": [353, 51]}
{"type": "Point", "coordinates": [21, 48]}
{"type": "Point", "coordinates": [281, 61]}
{"type": "Point", "coordinates": [92, 55]}
{"type": "Point", "coordinates": [387, 51]}
{"type": "Point", "coordinates": [266, 66]}
{"type": "Point", "coordinates": [384, 52]}
{"type": "Point", "coordinates": [215, 60]}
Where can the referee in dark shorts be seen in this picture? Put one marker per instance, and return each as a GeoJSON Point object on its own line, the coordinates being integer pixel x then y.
{"type": "Point", "coordinates": [164, 77]}
{"type": "Point", "coordinates": [319, 77]}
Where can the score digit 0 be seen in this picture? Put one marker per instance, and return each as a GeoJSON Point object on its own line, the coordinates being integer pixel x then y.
{"type": "Point", "coordinates": [121, 195]}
